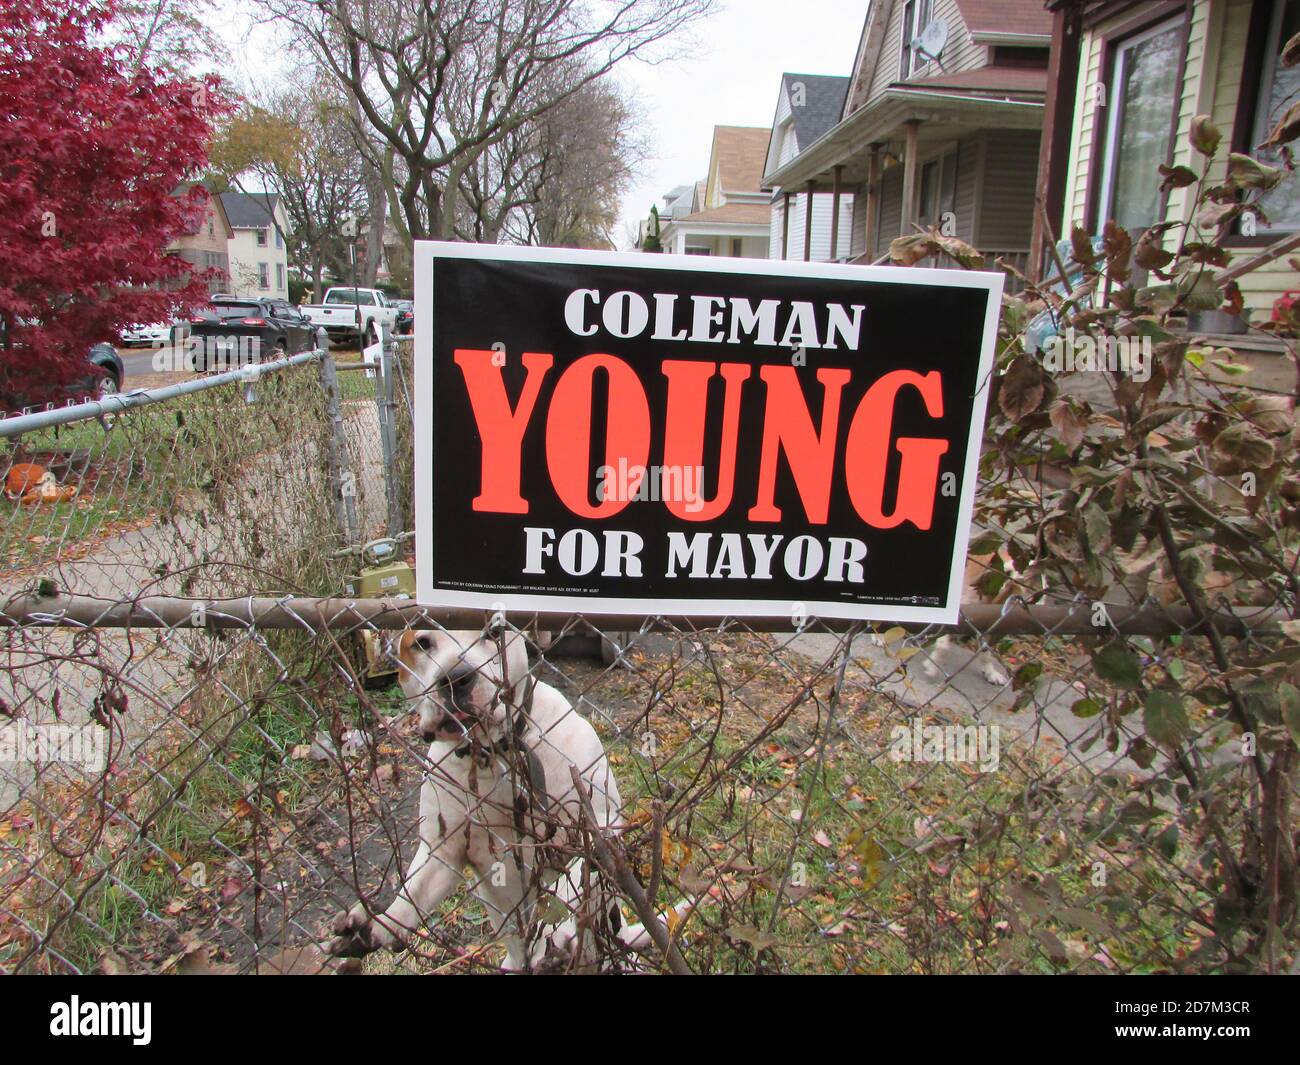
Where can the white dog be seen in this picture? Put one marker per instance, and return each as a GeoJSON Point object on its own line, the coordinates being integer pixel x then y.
{"type": "Point", "coordinates": [498, 798]}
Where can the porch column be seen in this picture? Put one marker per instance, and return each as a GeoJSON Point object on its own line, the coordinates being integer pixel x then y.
{"type": "Point", "coordinates": [835, 210]}
{"type": "Point", "coordinates": [1054, 147]}
{"type": "Point", "coordinates": [807, 222]}
{"type": "Point", "coordinates": [909, 176]}
{"type": "Point", "coordinates": [785, 226]}
{"type": "Point", "coordinates": [873, 202]}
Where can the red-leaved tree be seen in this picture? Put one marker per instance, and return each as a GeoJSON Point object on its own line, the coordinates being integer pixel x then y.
{"type": "Point", "coordinates": [92, 155]}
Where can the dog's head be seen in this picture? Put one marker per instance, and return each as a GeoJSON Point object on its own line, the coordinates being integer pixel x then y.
{"type": "Point", "coordinates": [456, 680]}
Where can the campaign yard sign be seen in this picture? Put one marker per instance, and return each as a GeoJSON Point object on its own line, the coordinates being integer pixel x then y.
{"type": "Point", "coordinates": [661, 434]}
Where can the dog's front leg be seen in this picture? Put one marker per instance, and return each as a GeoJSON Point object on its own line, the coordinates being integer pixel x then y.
{"type": "Point", "coordinates": [433, 875]}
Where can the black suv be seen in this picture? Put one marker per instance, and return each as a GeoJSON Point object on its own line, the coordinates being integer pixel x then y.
{"type": "Point", "coordinates": [242, 329]}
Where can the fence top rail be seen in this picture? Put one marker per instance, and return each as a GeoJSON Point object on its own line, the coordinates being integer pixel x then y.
{"type": "Point", "coordinates": [123, 401]}
{"type": "Point", "coordinates": [313, 613]}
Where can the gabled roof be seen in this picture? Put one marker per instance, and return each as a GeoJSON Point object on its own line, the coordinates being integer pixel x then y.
{"type": "Point", "coordinates": [870, 47]}
{"type": "Point", "coordinates": [823, 100]}
{"type": "Point", "coordinates": [679, 201]}
{"type": "Point", "coordinates": [1017, 22]}
{"type": "Point", "coordinates": [249, 210]}
{"type": "Point", "coordinates": [739, 152]}
{"type": "Point", "coordinates": [673, 195]}
{"type": "Point", "coordinates": [196, 224]}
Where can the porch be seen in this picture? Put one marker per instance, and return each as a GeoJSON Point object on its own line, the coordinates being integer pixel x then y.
{"type": "Point", "coordinates": [953, 156]}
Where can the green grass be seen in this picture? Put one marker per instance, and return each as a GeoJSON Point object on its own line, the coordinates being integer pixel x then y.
{"type": "Point", "coordinates": [153, 462]}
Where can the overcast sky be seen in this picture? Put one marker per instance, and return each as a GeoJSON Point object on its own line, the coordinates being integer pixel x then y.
{"type": "Point", "coordinates": [732, 79]}
{"type": "Point", "coordinates": [727, 76]}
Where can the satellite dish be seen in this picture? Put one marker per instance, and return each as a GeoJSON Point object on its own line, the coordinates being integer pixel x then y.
{"type": "Point", "coordinates": [930, 41]}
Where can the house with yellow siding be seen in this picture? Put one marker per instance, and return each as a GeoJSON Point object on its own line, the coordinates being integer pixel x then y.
{"type": "Point", "coordinates": [727, 213]}
{"type": "Point", "coordinates": [1127, 81]}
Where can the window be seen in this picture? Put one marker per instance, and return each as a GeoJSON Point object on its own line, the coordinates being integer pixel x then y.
{"type": "Point", "coordinates": [263, 276]}
{"type": "Point", "coordinates": [1279, 88]}
{"type": "Point", "coordinates": [350, 297]}
{"type": "Point", "coordinates": [230, 309]}
{"type": "Point", "coordinates": [916, 16]}
{"type": "Point", "coordinates": [279, 277]}
{"type": "Point", "coordinates": [698, 249]}
{"type": "Point", "coordinates": [279, 240]}
{"type": "Point", "coordinates": [1139, 127]}
{"type": "Point", "coordinates": [261, 238]}
{"type": "Point", "coordinates": [737, 247]}
{"type": "Point", "coordinates": [788, 145]}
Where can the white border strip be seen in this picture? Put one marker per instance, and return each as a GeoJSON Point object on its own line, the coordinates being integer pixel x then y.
{"type": "Point", "coordinates": [426, 251]}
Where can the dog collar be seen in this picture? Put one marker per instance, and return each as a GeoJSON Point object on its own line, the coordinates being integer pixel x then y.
{"type": "Point", "coordinates": [510, 742]}
{"type": "Point", "coordinates": [502, 746]}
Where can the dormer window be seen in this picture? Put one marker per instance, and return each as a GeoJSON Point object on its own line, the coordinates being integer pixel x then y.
{"type": "Point", "coordinates": [787, 146]}
{"type": "Point", "coordinates": [916, 16]}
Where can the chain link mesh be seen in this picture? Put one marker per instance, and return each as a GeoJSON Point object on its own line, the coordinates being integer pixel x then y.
{"type": "Point", "coordinates": [190, 792]}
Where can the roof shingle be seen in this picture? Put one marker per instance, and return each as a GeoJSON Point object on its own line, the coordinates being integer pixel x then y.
{"type": "Point", "coordinates": [753, 214]}
{"type": "Point", "coordinates": [249, 210]}
{"type": "Point", "coordinates": [823, 100]}
{"type": "Point", "coordinates": [742, 153]}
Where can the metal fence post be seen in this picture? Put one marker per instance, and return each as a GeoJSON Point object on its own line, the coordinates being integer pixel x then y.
{"type": "Point", "coordinates": [387, 428]}
{"type": "Point", "coordinates": [343, 481]}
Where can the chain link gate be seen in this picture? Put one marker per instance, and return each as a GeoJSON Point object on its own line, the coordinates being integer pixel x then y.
{"type": "Point", "coordinates": [194, 775]}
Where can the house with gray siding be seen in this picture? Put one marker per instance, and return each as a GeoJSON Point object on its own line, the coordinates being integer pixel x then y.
{"type": "Point", "coordinates": [939, 126]}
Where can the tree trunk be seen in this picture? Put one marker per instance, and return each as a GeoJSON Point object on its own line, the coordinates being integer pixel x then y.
{"type": "Point", "coordinates": [375, 230]}
{"type": "Point", "coordinates": [446, 228]}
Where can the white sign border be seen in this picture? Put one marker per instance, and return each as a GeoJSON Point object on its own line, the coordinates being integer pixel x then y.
{"type": "Point", "coordinates": [426, 251]}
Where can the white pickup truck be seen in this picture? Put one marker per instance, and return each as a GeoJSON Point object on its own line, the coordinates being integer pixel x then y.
{"type": "Point", "coordinates": [351, 314]}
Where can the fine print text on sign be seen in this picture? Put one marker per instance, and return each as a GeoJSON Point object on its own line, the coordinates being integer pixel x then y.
{"type": "Point", "coordinates": [660, 434]}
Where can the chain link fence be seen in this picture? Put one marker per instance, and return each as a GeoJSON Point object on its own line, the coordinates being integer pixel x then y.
{"type": "Point", "coordinates": [212, 752]}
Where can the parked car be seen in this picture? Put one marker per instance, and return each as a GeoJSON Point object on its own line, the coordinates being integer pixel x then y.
{"type": "Point", "coordinates": [405, 317]}
{"type": "Point", "coordinates": [352, 314]}
{"type": "Point", "coordinates": [20, 391]}
{"type": "Point", "coordinates": [235, 330]}
{"type": "Point", "coordinates": [156, 335]}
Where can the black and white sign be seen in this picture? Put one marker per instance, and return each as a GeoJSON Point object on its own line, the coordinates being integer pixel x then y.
{"type": "Point", "coordinates": [662, 434]}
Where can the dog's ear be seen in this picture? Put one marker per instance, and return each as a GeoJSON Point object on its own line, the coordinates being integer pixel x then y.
{"type": "Point", "coordinates": [411, 643]}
